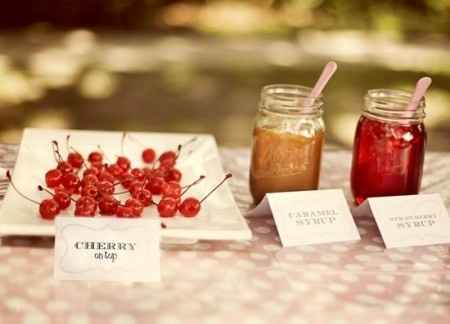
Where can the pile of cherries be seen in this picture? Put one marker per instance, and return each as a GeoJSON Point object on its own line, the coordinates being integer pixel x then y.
{"type": "Point", "coordinates": [91, 184]}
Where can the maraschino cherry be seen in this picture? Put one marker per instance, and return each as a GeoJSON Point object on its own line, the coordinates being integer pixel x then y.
{"type": "Point", "coordinates": [148, 155]}
{"type": "Point", "coordinates": [95, 158]}
{"type": "Point", "coordinates": [48, 208]}
{"type": "Point", "coordinates": [173, 175]}
{"type": "Point", "coordinates": [61, 197]}
{"type": "Point", "coordinates": [136, 207]}
{"type": "Point", "coordinates": [167, 207]}
{"type": "Point", "coordinates": [86, 207]}
{"type": "Point", "coordinates": [190, 207]}
{"type": "Point", "coordinates": [74, 158]}
{"type": "Point", "coordinates": [108, 205]}
{"type": "Point", "coordinates": [53, 178]}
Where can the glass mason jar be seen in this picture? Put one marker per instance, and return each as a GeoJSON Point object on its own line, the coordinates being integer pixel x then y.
{"type": "Point", "coordinates": [389, 146]}
{"type": "Point", "coordinates": [287, 141]}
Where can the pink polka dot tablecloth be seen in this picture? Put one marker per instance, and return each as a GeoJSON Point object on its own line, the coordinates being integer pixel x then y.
{"type": "Point", "coordinates": [245, 282]}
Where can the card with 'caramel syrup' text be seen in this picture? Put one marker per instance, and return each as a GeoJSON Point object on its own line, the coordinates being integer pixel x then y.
{"type": "Point", "coordinates": [309, 217]}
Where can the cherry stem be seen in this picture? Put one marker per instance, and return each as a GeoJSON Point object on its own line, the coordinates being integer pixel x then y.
{"type": "Point", "coordinates": [8, 175]}
{"type": "Point", "coordinates": [103, 153]}
{"type": "Point", "coordinates": [122, 142]}
{"type": "Point", "coordinates": [181, 146]}
{"type": "Point", "coordinates": [84, 163]}
{"type": "Point", "coordinates": [163, 225]}
{"type": "Point", "coordinates": [68, 147]}
{"type": "Point", "coordinates": [121, 193]}
{"type": "Point", "coordinates": [134, 139]}
{"type": "Point", "coordinates": [228, 176]}
{"type": "Point", "coordinates": [41, 188]}
{"type": "Point", "coordinates": [186, 188]}
{"type": "Point", "coordinates": [56, 152]}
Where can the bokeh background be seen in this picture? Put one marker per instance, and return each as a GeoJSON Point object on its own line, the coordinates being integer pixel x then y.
{"type": "Point", "coordinates": [198, 66]}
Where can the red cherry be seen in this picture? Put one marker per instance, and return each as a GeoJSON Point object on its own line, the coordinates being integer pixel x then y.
{"type": "Point", "coordinates": [90, 190]}
{"type": "Point", "coordinates": [172, 189]}
{"type": "Point", "coordinates": [136, 185]}
{"type": "Point", "coordinates": [123, 162]}
{"type": "Point", "coordinates": [60, 188]}
{"type": "Point", "coordinates": [168, 159]}
{"type": "Point", "coordinates": [108, 205]}
{"type": "Point", "coordinates": [173, 175]}
{"type": "Point", "coordinates": [100, 168]}
{"type": "Point", "coordinates": [136, 206]}
{"type": "Point", "coordinates": [167, 207]}
{"type": "Point", "coordinates": [63, 199]}
{"type": "Point", "coordinates": [138, 173]}
{"type": "Point", "coordinates": [124, 212]}
{"type": "Point", "coordinates": [65, 167]}
{"type": "Point", "coordinates": [148, 155]}
{"type": "Point", "coordinates": [106, 176]}
{"type": "Point", "coordinates": [95, 158]}
{"type": "Point", "coordinates": [115, 170]}
{"type": "Point", "coordinates": [49, 208]}
{"type": "Point", "coordinates": [160, 172]}
{"type": "Point", "coordinates": [60, 196]}
{"type": "Point", "coordinates": [89, 179]}
{"type": "Point", "coordinates": [86, 207]}
{"type": "Point", "coordinates": [53, 178]}
{"type": "Point", "coordinates": [89, 171]}
{"type": "Point", "coordinates": [71, 182]}
{"type": "Point", "coordinates": [143, 195]}
{"type": "Point", "coordinates": [190, 207]}
{"type": "Point", "coordinates": [105, 188]}
{"type": "Point", "coordinates": [156, 185]}
{"type": "Point", "coordinates": [126, 179]}
{"type": "Point", "coordinates": [147, 172]}
{"type": "Point", "coordinates": [75, 159]}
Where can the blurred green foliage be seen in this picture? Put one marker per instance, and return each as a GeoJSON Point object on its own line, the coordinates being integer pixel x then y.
{"type": "Point", "coordinates": [400, 16]}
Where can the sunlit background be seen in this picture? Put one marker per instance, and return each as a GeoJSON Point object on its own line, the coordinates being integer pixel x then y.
{"type": "Point", "coordinates": [198, 66]}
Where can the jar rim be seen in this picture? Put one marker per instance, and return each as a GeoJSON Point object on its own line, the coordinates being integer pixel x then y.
{"type": "Point", "coordinates": [290, 98]}
{"type": "Point", "coordinates": [392, 105]}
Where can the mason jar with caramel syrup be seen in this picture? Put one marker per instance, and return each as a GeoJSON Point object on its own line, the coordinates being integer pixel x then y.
{"type": "Point", "coordinates": [287, 141]}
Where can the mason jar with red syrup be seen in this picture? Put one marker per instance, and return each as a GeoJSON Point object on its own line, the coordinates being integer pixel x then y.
{"type": "Point", "coordinates": [389, 146]}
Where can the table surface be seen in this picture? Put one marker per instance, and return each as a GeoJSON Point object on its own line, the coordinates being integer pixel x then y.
{"type": "Point", "coordinates": [247, 282]}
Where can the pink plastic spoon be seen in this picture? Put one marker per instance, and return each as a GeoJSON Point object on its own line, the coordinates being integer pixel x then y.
{"type": "Point", "coordinates": [325, 76]}
{"type": "Point", "coordinates": [421, 88]}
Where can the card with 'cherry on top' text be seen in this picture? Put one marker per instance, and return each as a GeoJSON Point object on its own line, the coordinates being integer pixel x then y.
{"type": "Point", "coordinates": [107, 249]}
{"type": "Point", "coordinates": [309, 217]}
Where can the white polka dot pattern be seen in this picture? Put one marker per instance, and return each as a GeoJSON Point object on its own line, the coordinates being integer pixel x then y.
{"type": "Point", "coordinates": [245, 282]}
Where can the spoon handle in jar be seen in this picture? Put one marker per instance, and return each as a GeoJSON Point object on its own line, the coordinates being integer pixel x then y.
{"type": "Point", "coordinates": [325, 76]}
{"type": "Point", "coordinates": [421, 88]}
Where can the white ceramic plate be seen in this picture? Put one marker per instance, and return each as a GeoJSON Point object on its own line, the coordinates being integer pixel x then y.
{"type": "Point", "coordinates": [219, 218]}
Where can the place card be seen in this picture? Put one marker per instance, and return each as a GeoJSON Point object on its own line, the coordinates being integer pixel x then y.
{"type": "Point", "coordinates": [107, 249]}
{"type": "Point", "coordinates": [309, 217]}
{"type": "Point", "coordinates": [412, 220]}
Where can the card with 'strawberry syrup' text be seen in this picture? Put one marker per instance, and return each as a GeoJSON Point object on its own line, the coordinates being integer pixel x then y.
{"type": "Point", "coordinates": [412, 220]}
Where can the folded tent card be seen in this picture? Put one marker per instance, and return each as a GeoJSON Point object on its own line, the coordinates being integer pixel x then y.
{"type": "Point", "coordinates": [107, 249]}
{"type": "Point", "coordinates": [309, 217]}
{"type": "Point", "coordinates": [323, 216]}
{"type": "Point", "coordinates": [412, 220]}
